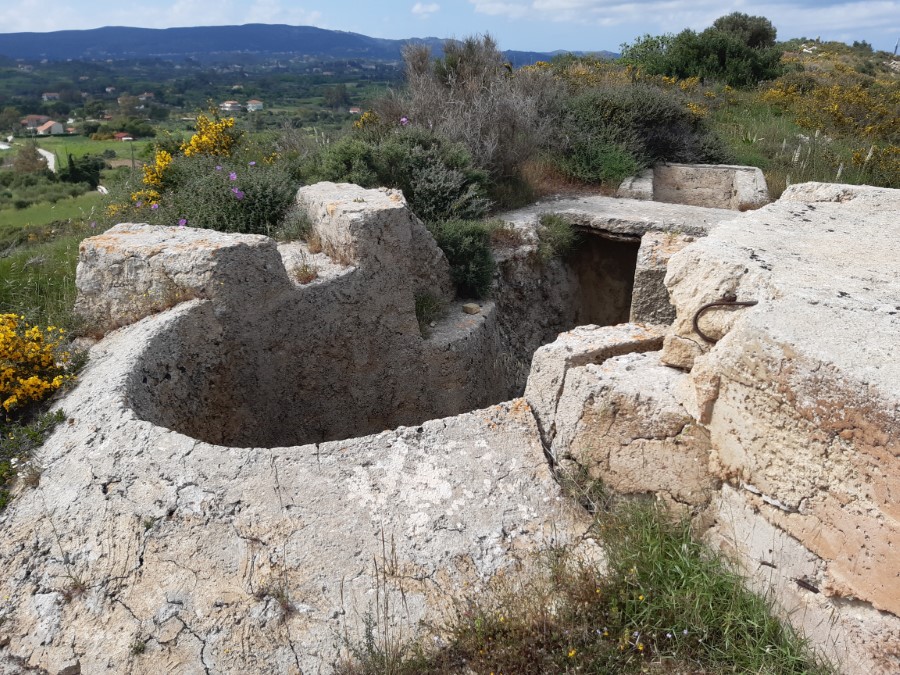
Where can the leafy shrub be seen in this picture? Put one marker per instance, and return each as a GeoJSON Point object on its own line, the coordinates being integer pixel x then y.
{"type": "Point", "coordinates": [85, 169]}
{"type": "Point", "coordinates": [737, 50]}
{"type": "Point", "coordinates": [614, 129]}
{"type": "Point", "coordinates": [599, 156]}
{"type": "Point", "coordinates": [467, 245]}
{"type": "Point", "coordinates": [32, 363]}
{"type": "Point", "coordinates": [436, 175]}
{"type": "Point", "coordinates": [223, 195]}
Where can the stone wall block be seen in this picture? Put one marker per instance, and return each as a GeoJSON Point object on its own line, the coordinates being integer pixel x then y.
{"type": "Point", "coordinates": [134, 270]}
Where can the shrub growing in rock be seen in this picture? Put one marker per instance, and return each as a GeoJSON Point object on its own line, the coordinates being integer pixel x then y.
{"type": "Point", "coordinates": [227, 195]}
{"type": "Point", "coordinates": [467, 245]}
{"type": "Point", "coordinates": [557, 236]}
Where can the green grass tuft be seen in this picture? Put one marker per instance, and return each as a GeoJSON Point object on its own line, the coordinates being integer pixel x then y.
{"type": "Point", "coordinates": [664, 603]}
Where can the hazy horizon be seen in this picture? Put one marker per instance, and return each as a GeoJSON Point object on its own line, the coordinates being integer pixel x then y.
{"type": "Point", "coordinates": [537, 25]}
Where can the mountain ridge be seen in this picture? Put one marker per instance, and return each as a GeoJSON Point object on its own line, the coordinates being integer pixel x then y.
{"type": "Point", "coordinates": [209, 42]}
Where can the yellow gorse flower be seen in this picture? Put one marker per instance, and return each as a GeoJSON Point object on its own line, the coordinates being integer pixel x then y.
{"type": "Point", "coordinates": [214, 137]}
{"type": "Point", "coordinates": [154, 173]}
{"type": "Point", "coordinates": [366, 120]}
{"type": "Point", "coordinates": [32, 362]}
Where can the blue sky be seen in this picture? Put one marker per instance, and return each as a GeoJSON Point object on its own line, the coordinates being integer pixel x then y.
{"type": "Point", "coordinates": [541, 25]}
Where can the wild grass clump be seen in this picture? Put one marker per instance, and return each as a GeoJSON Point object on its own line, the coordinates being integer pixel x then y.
{"type": "Point", "coordinates": [467, 245]}
{"type": "Point", "coordinates": [19, 439]}
{"type": "Point", "coordinates": [557, 236]}
{"type": "Point", "coordinates": [663, 603]}
{"type": "Point", "coordinates": [429, 308]}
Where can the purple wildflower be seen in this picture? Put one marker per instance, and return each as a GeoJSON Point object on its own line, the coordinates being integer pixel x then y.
{"type": "Point", "coordinates": [93, 223]}
{"type": "Point", "coordinates": [232, 176]}
{"type": "Point", "coordinates": [154, 206]}
{"type": "Point", "coordinates": [138, 205]}
{"type": "Point", "coordinates": [237, 193]}
{"type": "Point", "coordinates": [404, 121]}
{"type": "Point", "coordinates": [218, 167]}
{"type": "Point", "coordinates": [182, 222]}
{"type": "Point", "coordinates": [252, 164]}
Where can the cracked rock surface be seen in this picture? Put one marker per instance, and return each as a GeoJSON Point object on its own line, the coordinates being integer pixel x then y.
{"type": "Point", "coordinates": [219, 559]}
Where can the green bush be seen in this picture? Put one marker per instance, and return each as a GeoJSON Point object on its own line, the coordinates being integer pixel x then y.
{"type": "Point", "coordinates": [467, 245]}
{"type": "Point", "coordinates": [84, 169]}
{"type": "Point", "coordinates": [737, 50]}
{"type": "Point", "coordinates": [436, 175]}
{"type": "Point", "coordinates": [203, 194]}
{"type": "Point", "coordinates": [598, 156]}
{"type": "Point", "coordinates": [613, 130]}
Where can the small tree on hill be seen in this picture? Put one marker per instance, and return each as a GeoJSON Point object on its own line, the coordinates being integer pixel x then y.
{"type": "Point", "coordinates": [757, 32]}
{"type": "Point", "coordinates": [29, 160]}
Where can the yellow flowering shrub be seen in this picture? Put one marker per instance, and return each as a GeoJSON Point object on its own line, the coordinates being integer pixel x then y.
{"type": "Point", "coordinates": [367, 120]}
{"type": "Point", "coordinates": [214, 137]}
{"type": "Point", "coordinates": [154, 173]}
{"type": "Point", "coordinates": [32, 362]}
{"type": "Point", "coordinates": [881, 164]}
{"type": "Point", "coordinates": [697, 110]}
{"type": "Point", "coordinates": [847, 109]}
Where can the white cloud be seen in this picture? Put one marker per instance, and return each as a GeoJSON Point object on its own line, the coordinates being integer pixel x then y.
{"type": "Point", "coordinates": [423, 10]}
{"type": "Point", "coordinates": [654, 16]}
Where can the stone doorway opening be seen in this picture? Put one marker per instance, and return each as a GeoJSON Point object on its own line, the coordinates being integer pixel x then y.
{"type": "Point", "coordinates": [604, 268]}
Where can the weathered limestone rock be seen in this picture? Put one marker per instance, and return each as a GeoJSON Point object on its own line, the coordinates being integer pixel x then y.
{"type": "Point", "coordinates": [718, 186]}
{"type": "Point", "coordinates": [132, 271]}
{"type": "Point", "coordinates": [375, 230]}
{"type": "Point", "coordinates": [637, 187]}
{"type": "Point", "coordinates": [854, 635]}
{"type": "Point", "coordinates": [801, 394]}
{"type": "Point", "coordinates": [616, 272]}
{"type": "Point", "coordinates": [795, 411]}
{"type": "Point", "coordinates": [238, 560]}
{"type": "Point", "coordinates": [579, 347]}
{"type": "Point", "coordinates": [270, 361]}
{"type": "Point", "coordinates": [625, 217]}
{"type": "Point", "coordinates": [620, 421]}
{"type": "Point", "coordinates": [649, 298]}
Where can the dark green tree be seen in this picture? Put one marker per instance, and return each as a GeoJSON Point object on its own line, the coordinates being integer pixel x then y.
{"type": "Point", "coordinates": [84, 169]}
{"type": "Point", "coordinates": [9, 119]}
{"type": "Point", "coordinates": [337, 96]}
{"type": "Point", "coordinates": [757, 32]}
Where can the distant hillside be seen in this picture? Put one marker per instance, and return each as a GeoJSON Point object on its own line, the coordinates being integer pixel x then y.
{"type": "Point", "coordinates": [216, 42]}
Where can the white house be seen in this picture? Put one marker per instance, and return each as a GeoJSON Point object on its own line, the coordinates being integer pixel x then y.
{"type": "Point", "coordinates": [230, 106]}
{"type": "Point", "coordinates": [253, 105]}
{"type": "Point", "coordinates": [50, 128]}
